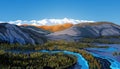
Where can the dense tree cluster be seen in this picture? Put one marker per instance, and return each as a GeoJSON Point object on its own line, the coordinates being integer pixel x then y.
{"type": "Point", "coordinates": [36, 60]}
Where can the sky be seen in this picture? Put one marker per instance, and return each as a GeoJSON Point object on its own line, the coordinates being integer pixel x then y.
{"type": "Point", "coordinates": [95, 10]}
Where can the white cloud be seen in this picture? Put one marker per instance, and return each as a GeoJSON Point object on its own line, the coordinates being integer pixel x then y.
{"type": "Point", "coordinates": [47, 21]}
{"type": "Point", "coordinates": [34, 24]}
{"type": "Point", "coordinates": [43, 22]}
{"type": "Point", "coordinates": [33, 21]}
{"type": "Point", "coordinates": [19, 24]}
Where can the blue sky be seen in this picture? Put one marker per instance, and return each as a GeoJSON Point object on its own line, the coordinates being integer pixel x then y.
{"type": "Point", "coordinates": [97, 10]}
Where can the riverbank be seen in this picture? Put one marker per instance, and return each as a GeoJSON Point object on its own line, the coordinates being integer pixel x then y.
{"type": "Point", "coordinates": [91, 61]}
{"type": "Point", "coordinates": [105, 64]}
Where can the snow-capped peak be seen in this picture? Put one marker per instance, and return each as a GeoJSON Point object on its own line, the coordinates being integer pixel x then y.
{"type": "Point", "coordinates": [48, 21]}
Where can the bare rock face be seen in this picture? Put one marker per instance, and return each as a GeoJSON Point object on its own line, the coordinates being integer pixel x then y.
{"type": "Point", "coordinates": [10, 33]}
{"type": "Point", "coordinates": [82, 30]}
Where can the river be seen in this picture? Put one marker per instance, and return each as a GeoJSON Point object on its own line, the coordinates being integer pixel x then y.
{"type": "Point", "coordinates": [106, 53]}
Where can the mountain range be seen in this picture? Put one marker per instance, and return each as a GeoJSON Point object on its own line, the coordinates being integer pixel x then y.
{"type": "Point", "coordinates": [11, 33]}
{"type": "Point", "coordinates": [85, 30]}
{"type": "Point", "coordinates": [47, 21]}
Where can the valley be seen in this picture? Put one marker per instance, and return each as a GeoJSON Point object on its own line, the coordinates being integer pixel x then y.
{"type": "Point", "coordinates": [81, 46]}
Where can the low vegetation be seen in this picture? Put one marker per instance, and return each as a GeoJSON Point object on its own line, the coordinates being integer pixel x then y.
{"type": "Point", "coordinates": [49, 44]}
{"type": "Point", "coordinates": [36, 60]}
{"type": "Point", "coordinates": [103, 40]}
{"type": "Point", "coordinates": [55, 61]}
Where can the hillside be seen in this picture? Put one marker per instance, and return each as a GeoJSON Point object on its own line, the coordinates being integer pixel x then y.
{"type": "Point", "coordinates": [10, 33]}
{"type": "Point", "coordinates": [55, 28]}
{"type": "Point", "coordinates": [96, 29]}
{"type": "Point", "coordinates": [34, 28]}
{"type": "Point", "coordinates": [51, 28]}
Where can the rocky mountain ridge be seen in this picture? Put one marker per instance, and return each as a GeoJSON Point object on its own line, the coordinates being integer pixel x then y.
{"type": "Point", "coordinates": [85, 30]}
{"type": "Point", "coordinates": [10, 33]}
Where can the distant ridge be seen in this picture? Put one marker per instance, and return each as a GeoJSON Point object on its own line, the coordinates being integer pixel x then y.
{"type": "Point", "coordinates": [84, 30]}
{"type": "Point", "coordinates": [93, 23]}
{"type": "Point", "coordinates": [55, 28]}
{"type": "Point", "coordinates": [51, 28]}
